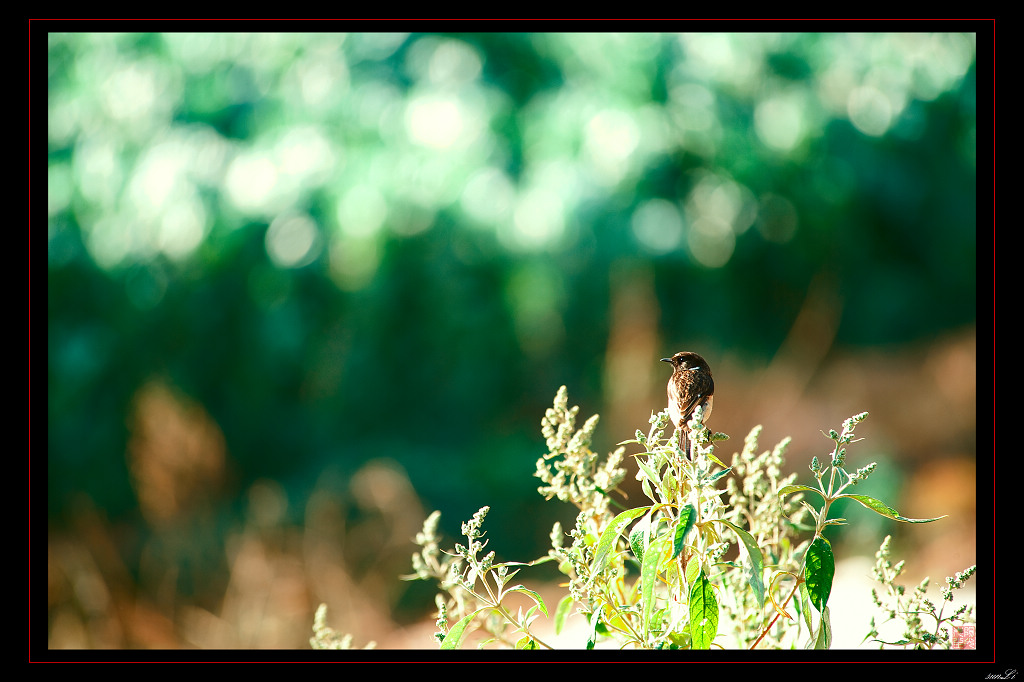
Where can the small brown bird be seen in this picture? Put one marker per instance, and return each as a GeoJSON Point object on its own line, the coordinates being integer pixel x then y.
{"type": "Point", "coordinates": [690, 385]}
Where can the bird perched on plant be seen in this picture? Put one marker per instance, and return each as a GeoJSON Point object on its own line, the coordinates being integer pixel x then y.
{"type": "Point", "coordinates": [689, 386]}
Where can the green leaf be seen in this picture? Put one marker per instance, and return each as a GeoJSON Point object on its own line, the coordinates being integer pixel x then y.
{"type": "Point", "coordinates": [453, 640]}
{"type": "Point", "coordinates": [771, 596]}
{"type": "Point", "coordinates": [650, 473]}
{"type": "Point", "coordinates": [717, 475]}
{"type": "Point", "coordinates": [755, 578]}
{"type": "Point", "coordinates": [527, 643]}
{"type": "Point", "coordinates": [687, 517]}
{"type": "Point", "coordinates": [645, 485]}
{"type": "Point", "coordinates": [714, 459]}
{"type": "Point", "coordinates": [640, 537]}
{"type": "Point", "coordinates": [703, 613]}
{"type": "Point", "coordinates": [805, 607]}
{"type": "Point", "coordinates": [649, 578]}
{"type": "Point", "coordinates": [787, 489]}
{"type": "Point", "coordinates": [819, 569]}
{"type": "Point", "coordinates": [885, 510]}
{"type": "Point", "coordinates": [562, 612]}
{"type": "Point", "coordinates": [611, 534]}
{"type": "Point", "coordinates": [692, 571]}
{"type": "Point", "coordinates": [595, 620]}
{"type": "Point", "coordinates": [532, 595]}
{"type": "Point", "coordinates": [823, 638]}
{"type": "Point", "coordinates": [504, 581]}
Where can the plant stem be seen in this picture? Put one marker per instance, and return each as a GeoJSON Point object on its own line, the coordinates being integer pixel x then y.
{"type": "Point", "coordinates": [777, 614]}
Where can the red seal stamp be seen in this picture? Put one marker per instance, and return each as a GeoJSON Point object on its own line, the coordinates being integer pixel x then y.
{"type": "Point", "coordinates": [963, 637]}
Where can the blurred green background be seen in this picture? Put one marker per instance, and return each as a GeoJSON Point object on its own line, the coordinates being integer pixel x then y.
{"type": "Point", "coordinates": [304, 288]}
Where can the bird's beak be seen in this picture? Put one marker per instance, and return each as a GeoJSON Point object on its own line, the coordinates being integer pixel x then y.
{"type": "Point", "coordinates": [666, 359]}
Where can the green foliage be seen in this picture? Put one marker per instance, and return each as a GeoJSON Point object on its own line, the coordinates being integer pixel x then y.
{"type": "Point", "coordinates": [819, 569]}
{"type": "Point", "coordinates": [477, 586]}
{"type": "Point", "coordinates": [325, 637]}
{"type": "Point", "coordinates": [686, 594]}
{"type": "Point", "coordinates": [923, 625]}
{"type": "Point", "coordinates": [703, 613]}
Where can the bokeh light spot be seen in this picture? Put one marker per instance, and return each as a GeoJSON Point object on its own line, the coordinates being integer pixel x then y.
{"type": "Point", "coordinates": [293, 240]}
{"type": "Point", "coordinates": [453, 63]}
{"type": "Point", "coordinates": [658, 226]}
{"type": "Point", "coordinates": [870, 110]}
{"type": "Point", "coordinates": [488, 196]}
{"type": "Point", "coordinates": [183, 227]}
{"type": "Point", "coordinates": [109, 239]}
{"type": "Point", "coordinates": [694, 106]}
{"type": "Point", "coordinates": [711, 242]}
{"type": "Point", "coordinates": [779, 122]}
{"type": "Point", "coordinates": [538, 220]}
{"type": "Point", "coordinates": [611, 138]}
{"type": "Point", "coordinates": [97, 167]}
{"type": "Point", "coordinates": [723, 200]}
{"type": "Point", "coordinates": [435, 122]}
{"type": "Point", "coordinates": [250, 180]}
{"type": "Point", "coordinates": [361, 211]}
{"type": "Point", "coordinates": [306, 152]}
